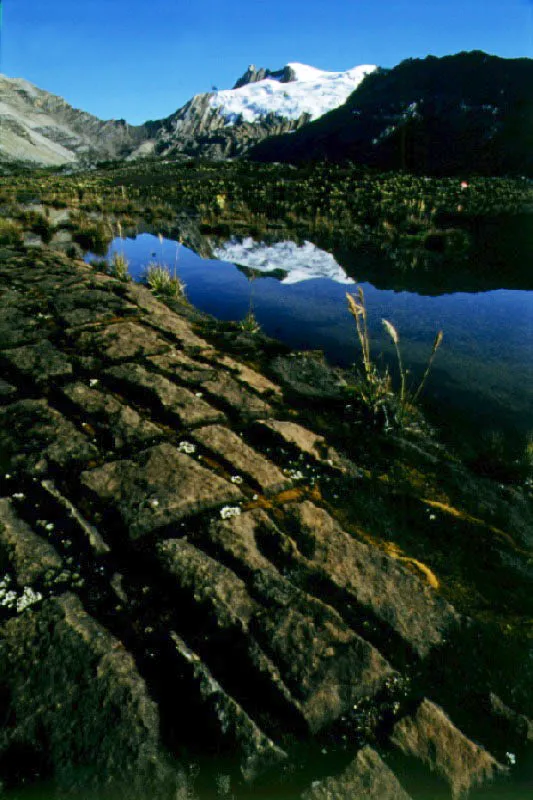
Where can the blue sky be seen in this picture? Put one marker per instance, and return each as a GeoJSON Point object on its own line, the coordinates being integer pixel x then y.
{"type": "Point", "coordinates": [142, 59]}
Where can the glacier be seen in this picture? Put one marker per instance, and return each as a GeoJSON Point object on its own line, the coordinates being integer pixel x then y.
{"type": "Point", "coordinates": [314, 92]}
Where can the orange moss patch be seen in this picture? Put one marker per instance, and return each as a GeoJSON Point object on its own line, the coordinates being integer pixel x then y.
{"type": "Point", "coordinates": [392, 549]}
{"type": "Point", "coordinates": [479, 523]}
{"type": "Point", "coordinates": [294, 495]}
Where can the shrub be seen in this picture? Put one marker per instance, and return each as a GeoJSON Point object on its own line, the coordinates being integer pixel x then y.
{"type": "Point", "coordinates": [10, 233]}
{"type": "Point", "coordinates": [37, 223]}
{"type": "Point", "coordinates": [95, 237]}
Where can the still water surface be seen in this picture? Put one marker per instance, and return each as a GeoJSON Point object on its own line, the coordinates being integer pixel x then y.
{"type": "Point", "coordinates": [482, 378]}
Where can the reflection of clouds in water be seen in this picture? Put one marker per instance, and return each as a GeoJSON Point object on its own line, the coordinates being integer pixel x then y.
{"type": "Point", "coordinates": [299, 262]}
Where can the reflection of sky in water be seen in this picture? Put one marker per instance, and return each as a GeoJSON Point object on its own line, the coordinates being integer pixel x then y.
{"type": "Point", "coordinates": [484, 368]}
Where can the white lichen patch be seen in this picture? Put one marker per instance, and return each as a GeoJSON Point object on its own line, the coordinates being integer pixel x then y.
{"type": "Point", "coordinates": [186, 447]}
{"type": "Point", "coordinates": [295, 474]}
{"type": "Point", "coordinates": [230, 511]}
{"type": "Point", "coordinates": [28, 598]}
{"type": "Point", "coordinates": [14, 599]}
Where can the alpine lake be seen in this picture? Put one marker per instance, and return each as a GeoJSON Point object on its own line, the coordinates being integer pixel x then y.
{"type": "Point", "coordinates": [479, 393]}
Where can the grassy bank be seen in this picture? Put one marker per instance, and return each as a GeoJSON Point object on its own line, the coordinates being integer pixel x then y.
{"type": "Point", "coordinates": [416, 220]}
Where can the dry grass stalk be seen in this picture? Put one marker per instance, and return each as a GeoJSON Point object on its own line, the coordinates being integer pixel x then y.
{"type": "Point", "coordinates": [358, 310]}
{"type": "Point", "coordinates": [436, 344]}
{"type": "Point", "coordinates": [394, 335]}
{"type": "Point", "coordinates": [376, 393]}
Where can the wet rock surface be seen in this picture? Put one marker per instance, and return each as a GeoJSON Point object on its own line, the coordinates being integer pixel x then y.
{"type": "Point", "coordinates": [429, 735]}
{"type": "Point", "coordinates": [177, 587]}
{"type": "Point", "coordinates": [160, 487]}
{"type": "Point", "coordinates": [366, 778]}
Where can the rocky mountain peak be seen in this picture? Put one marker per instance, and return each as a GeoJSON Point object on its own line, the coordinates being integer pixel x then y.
{"type": "Point", "coordinates": [40, 128]}
{"type": "Point", "coordinates": [254, 75]}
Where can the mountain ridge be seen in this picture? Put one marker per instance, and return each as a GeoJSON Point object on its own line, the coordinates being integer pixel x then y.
{"type": "Point", "coordinates": [466, 112]}
{"type": "Point", "coordinates": [40, 127]}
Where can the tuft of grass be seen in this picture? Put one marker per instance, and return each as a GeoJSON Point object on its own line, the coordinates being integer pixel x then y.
{"type": "Point", "coordinates": [119, 263]}
{"type": "Point", "coordinates": [119, 267]}
{"type": "Point", "coordinates": [162, 283]}
{"type": "Point", "coordinates": [10, 233]}
{"type": "Point", "coordinates": [375, 389]}
{"type": "Point", "coordinates": [250, 324]}
{"type": "Point", "coordinates": [94, 237]}
{"type": "Point", "coordinates": [100, 264]}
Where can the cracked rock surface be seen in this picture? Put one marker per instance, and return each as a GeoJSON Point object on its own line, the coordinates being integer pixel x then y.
{"type": "Point", "coordinates": [181, 612]}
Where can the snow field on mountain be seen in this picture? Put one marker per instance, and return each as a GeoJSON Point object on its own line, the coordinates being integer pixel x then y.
{"type": "Point", "coordinates": [314, 92]}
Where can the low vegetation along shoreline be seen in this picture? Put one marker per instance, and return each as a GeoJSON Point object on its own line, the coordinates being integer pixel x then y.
{"type": "Point", "coordinates": [174, 489]}
{"type": "Point", "coordinates": [412, 217]}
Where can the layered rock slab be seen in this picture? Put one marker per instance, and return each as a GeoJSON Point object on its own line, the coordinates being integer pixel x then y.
{"type": "Point", "coordinates": [121, 422]}
{"type": "Point", "coordinates": [219, 383]}
{"type": "Point", "coordinates": [431, 737]}
{"type": "Point", "coordinates": [121, 341]}
{"type": "Point", "coordinates": [160, 487]}
{"type": "Point", "coordinates": [20, 322]}
{"type": "Point", "coordinates": [28, 555]}
{"type": "Point", "coordinates": [315, 550]}
{"type": "Point", "coordinates": [375, 580]}
{"type": "Point", "coordinates": [186, 407]}
{"type": "Point", "coordinates": [253, 379]}
{"type": "Point", "coordinates": [35, 436]}
{"type": "Point", "coordinates": [367, 777]}
{"type": "Point", "coordinates": [306, 441]}
{"type": "Point", "coordinates": [40, 362]}
{"type": "Point", "coordinates": [325, 665]}
{"type": "Point", "coordinates": [235, 395]}
{"type": "Point", "coordinates": [77, 703]}
{"type": "Point", "coordinates": [162, 319]}
{"type": "Point", "coordinates": [230, 446]}
{"type": "Point", "coordinates": [88, 306]}
{"type": "Point", "coordinates": [255, 751]}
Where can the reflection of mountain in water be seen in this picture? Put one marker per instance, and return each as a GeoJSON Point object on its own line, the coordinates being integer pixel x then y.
{"type": "Point", "coordinates": [295, 262]}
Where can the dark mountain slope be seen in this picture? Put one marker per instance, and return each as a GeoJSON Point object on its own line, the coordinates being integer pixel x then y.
{"type": "Point", "coordinates": [469, 112]}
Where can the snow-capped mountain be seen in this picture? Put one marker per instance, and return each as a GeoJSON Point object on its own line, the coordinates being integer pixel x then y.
{"type": "Point", "coordinates": [226, 123]}
{"type": "Point", "coordinates": [309, 91]}
{"type": "Point", "coordinates": [297, 262]}
{"type": "Point", "coordinates": [451, 115]}
{"type": "Point", "coordinates": [39, 127]}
